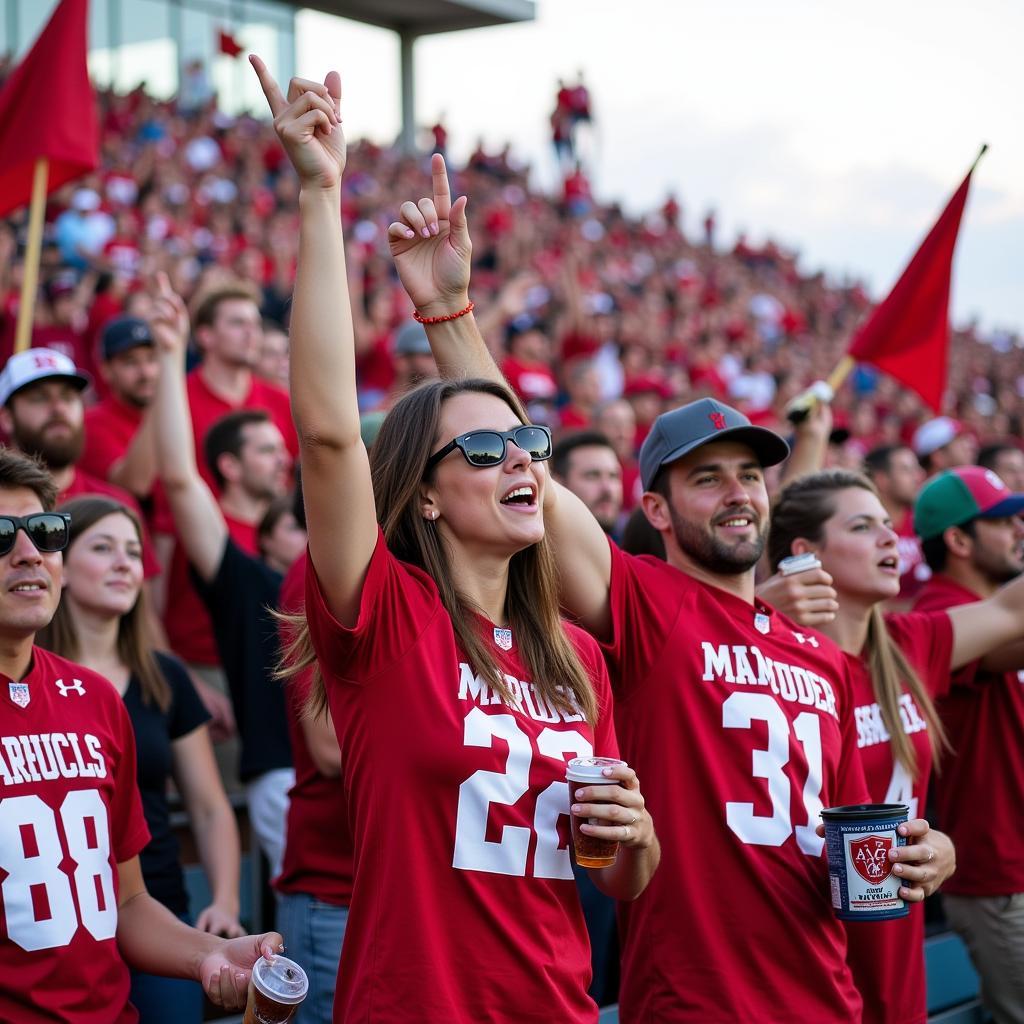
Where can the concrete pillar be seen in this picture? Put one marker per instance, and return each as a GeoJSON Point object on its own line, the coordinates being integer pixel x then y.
{"type": "Point", "coordinates": [407, 137]}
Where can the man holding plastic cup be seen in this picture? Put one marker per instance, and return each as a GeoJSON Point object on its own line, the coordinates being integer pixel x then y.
{"type": "Point", "coordinates": [74, 911]}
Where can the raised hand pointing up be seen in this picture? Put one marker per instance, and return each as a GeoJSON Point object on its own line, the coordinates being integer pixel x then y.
{"type": "Point", "coordinates": [308, 123]}
{"type": "Point", "coordinates": [431, 248]}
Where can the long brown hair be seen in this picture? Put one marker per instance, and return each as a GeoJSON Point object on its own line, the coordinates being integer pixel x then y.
{"type": "Point", "coordinates": [134, 638]}
{"type": "Point", "coordinates": [801, 510]}
{"type": "Point", "coordinates": [398, 462]}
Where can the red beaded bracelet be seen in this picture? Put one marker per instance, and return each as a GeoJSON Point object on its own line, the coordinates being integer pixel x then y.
{"type": "Point", "coordinates": [416, 315]}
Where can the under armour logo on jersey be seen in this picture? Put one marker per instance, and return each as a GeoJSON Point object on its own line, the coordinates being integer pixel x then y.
{"type": "Point", "coordinates": [804, 639]}
{"type": "Point", "coordinates": [717, 420]}
{"type": "Point", "coordinates": [75, 686]}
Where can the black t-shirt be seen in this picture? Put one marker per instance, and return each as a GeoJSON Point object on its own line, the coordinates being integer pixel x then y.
{"type": "Point", "coordinates": [240, 599]}
{"type": "Point", "coordinates": [155, 732]}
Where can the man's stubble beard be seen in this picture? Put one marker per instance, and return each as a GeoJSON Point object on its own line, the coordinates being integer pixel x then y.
{"type": "Point", "coordinates": [713, 554]}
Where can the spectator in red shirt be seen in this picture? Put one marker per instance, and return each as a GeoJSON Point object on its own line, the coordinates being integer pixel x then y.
{"type": "Point", "coordinates": [273, 364]}
{"type": "Point", "coordinates": [583, 386]}
{"type": "Point", "coordinates": [1006, 460]}
{"type": "Point", "coordinates": [942, 443]}
{"type": "Point", "coordinates": [118, 433]}
{"type": "Point", "coordinates": [527, 367]}
{"type": "Point", "coordinates": [617, 421]}
{"type": "Point", "coordinates": [896, 473]}
{"type": "Point", "coordinates": [229, 331]}
{"type": "Point", "coordinates": [587, 464]}
{"type": "Point", "coordinates": [973, 540]}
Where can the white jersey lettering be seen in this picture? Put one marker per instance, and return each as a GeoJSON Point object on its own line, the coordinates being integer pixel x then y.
{"type": "Point", "coordinates": [735, 664]}
{"type": "Point", "coordinates": [34, 757]}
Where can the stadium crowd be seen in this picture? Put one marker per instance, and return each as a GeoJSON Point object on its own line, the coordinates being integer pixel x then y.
{"type": "Point", "coordinates": [614, 331]}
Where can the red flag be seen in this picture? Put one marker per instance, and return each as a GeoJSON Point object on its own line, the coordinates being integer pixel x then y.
{"type": "Point", "coordinates": [228, 44]}
{"type": "Point", "coordinates": [47, 110]}
{"type": "Point", "coordinates": [907, 335]}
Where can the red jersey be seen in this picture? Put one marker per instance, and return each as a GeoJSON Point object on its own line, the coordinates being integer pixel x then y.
{"type": "Point", "coordinates": [69, 814]}
{"type": "Point", "coordinates": [980, 792]}
{"type": "Point", "coordinates": [738, 723]}
{"type": "Point", "coordinates": [464, 905]}
{"type": "Point", "coordinates": [529, 381]}
{"type": "Point", "coordinates": [318, 843]}
{"type": "Point", "coordinates": [188, 625]}
{"type": "Point", "coordinates": [207, 407]}
{"type": "Point", "coordinates": [887, 957]}
{"type": "Point", "coordinates": [110, 428]}
{"type": "Point", "coordinates": [914, 571]}
{"type": "Point", "coordinates": [375, 368]}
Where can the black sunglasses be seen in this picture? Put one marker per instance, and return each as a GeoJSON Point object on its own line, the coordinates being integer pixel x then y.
{"type": "Point", "coordinates": [49, 531]}
{"type": "Point", "coordinates": [483, 448]}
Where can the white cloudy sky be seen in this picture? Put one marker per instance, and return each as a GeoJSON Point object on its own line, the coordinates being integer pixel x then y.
{"type": "Point", "coordinates": [840, 129]}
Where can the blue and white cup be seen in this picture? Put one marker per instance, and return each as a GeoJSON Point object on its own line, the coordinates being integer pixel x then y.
{"type": "Point", "coordinates": [858, 839]}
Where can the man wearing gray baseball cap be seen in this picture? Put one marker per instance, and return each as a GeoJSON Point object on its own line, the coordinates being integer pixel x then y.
{"type": "Point", "coordinates": [740, 723]}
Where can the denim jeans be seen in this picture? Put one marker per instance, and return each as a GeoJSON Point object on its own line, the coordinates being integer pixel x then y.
{"type": "Point", "coordinates": [313, 932]}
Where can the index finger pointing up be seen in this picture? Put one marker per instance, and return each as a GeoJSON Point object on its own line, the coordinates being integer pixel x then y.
{"type": "Point", "coordinates": [275, 99]}
{"type": "Point", "coordinates": [442, 193]}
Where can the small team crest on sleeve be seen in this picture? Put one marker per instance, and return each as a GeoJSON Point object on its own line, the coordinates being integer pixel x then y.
{"type": "Point", "coordinates": [762, 623]}
{"type": "Point", "coordinates": [19, 694]}
{"type": "Point", "coordinates": [503, 638]}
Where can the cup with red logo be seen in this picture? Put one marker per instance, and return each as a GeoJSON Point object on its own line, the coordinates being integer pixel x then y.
{"type": "Point", "coordinates": [858, 839]}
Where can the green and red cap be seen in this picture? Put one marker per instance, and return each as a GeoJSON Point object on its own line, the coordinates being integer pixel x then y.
{"type": "Point", "coordinates": [956, 496]}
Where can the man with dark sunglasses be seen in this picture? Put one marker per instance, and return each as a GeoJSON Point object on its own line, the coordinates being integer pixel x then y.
{"type": "Point", "coordinates": [74, 911]}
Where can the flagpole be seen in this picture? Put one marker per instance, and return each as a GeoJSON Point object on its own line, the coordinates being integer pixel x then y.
{"type": "Point", "coordinates": [33, 251]}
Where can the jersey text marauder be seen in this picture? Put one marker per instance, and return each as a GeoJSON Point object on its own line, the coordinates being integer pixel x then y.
{"type": "Point", "coordinates": [738, 722]}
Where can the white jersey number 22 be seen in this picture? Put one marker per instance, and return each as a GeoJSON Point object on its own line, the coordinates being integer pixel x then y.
{"type": "Point", "coordinates": [508, 855]}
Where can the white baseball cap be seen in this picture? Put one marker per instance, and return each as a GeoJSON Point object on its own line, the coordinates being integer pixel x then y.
{"type": "Point", "coordinates": [24, 368]}
{"type": "Point", "coordinates": [935, 434]}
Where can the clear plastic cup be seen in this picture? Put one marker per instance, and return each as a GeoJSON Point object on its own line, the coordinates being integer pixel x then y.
{"type": "Point", "coordinates": [591, 852]}
{"type": "Point", "coordinates": [276, 989]}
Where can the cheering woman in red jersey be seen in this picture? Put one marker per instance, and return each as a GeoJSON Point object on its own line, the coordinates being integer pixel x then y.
{"type": "Point", "coordinates": [457, 692]}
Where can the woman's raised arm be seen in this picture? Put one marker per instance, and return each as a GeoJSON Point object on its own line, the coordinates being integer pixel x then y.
{"type": "Point", "coordinates": [336, 483]}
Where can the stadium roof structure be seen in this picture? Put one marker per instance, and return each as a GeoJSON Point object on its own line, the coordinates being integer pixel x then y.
{"type": "Point", "coordinates": [413, 18]}
{"type": "Point", "coordinates": [426, 17]}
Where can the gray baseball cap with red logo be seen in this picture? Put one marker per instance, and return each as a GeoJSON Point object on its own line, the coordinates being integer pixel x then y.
{"type": "Point", "coordinates": [678, 432]}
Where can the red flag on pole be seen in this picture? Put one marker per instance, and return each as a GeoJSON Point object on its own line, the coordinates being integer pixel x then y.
{"type": "Point", "coordinates": [47, 110]}
{"type": "Point", "coordinates": [228, 44]}
{"type": "Point", "coordinates": [907, 335]}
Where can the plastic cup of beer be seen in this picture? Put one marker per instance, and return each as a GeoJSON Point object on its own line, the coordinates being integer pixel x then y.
{"type": "Point", "coordinates": [591, 852]}
{"type": "Point", "coordinates": [276, 989]}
